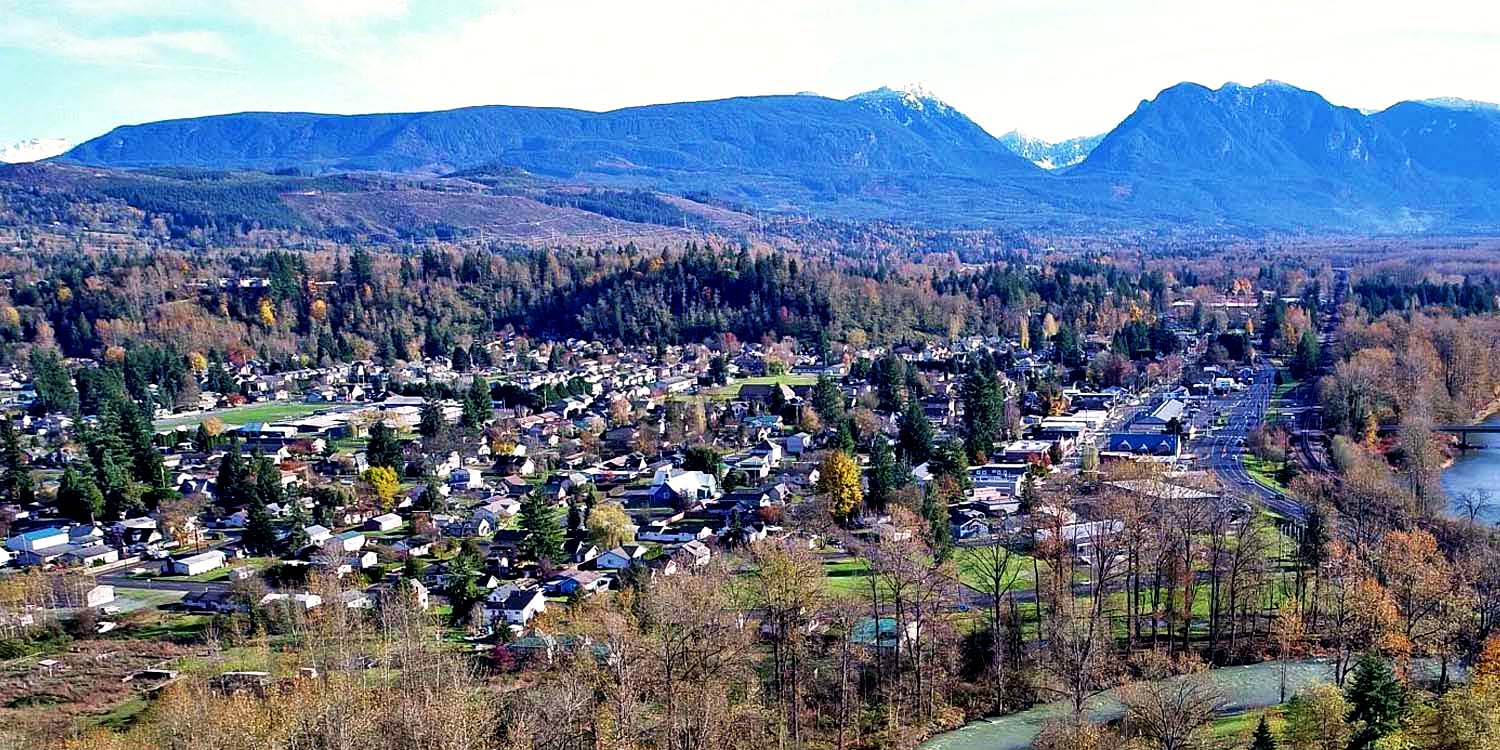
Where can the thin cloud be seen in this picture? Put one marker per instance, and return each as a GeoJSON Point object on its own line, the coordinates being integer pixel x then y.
{"type": "Point", "coordinates": [158, 48]}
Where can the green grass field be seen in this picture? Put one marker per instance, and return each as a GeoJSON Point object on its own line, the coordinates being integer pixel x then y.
{"type": "Point", "coordinates": [1263, 472]}
{"type": "Point", "coordinates": [728, 392]}
{"type": "Point", "coordinates": [1234, 732]}
{"type": "Point", "coordinates": [847, 577]}
{"type": "Point", "coordinates": [240, 415]}
{"type": "Point", "coordinates": [131, 599]}
{"type": "Point", "coordinates": [972, 573]}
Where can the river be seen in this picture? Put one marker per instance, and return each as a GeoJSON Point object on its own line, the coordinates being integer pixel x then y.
{"type": "Point", "coordinates": [1477, 470]}
{"type": "Point", "coordinates": [1244, 688]}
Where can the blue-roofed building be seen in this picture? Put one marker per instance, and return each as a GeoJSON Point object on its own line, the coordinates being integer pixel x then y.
{"type": "Point", "coordinates": [1154, 445]}
{"type": "Point", "coordinates": [37, 539]}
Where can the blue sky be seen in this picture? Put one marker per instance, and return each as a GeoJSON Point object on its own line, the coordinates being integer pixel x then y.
{"type": "Point", "coordinates": [1053, 68]}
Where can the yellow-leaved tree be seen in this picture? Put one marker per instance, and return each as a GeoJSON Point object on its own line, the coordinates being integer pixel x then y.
{"type": "Point", "coordinates": [267, 312]}
{"type": "Point", "coordinates": [838, 481]}
{"type": "Point", "coordinates": [383, 483]}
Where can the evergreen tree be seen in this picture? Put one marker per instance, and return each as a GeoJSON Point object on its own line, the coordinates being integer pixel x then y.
{"type": "Point", "coordinates": [463, 588]}
{"type": "Point", "coordinates": [844, 440]}
{"type": "Point", "coordinates": [297, 538]}
{"type": "Point", "coordinates": [203, 440]}
{"type": "Point", "coordinates": [78, 497]}
{"type": "Point", "coordinates": [477, 404]}
{"type": "Point", "coordinates": [1305, 358]}
{"type": "Point", "coordinates": [828, 399]}
{"type": "Point", "coordinates": [232, 486]}
{"type": "Point", "coordinates": [1262, 739]}
{"type": "Point", "coordinates": [139, 438]}
{"type": "Point", "coordinates": [951, 460]}
{"type": "Point", "coordinates": [260, 536]}
{"type": "Point", "coordinates": [1375, 701]}
{"type": "Point", "coordinates": [984, 413]}
{"type": "Point", "coordinates": [268, 489]}
{"type": "Point", "coordinates": [544, 534]}
{"type": "Point", "coordinates": [52, 383]}
{"type": "Point", "coordinates": [432, 498]}
{"type": "Point", "coordinates": [914, 438]}
{"type": "Point", "coordinates": [1027, 502]}
{"type": "Point", "coordinates": [432, 423]}
{"type": "Point", "coordinates": [16, 484]}
{"type": "Point", "coordinates": [883, 476]}
{"type": "Point", "coordinates": [383, 449]}
{"type": "Point", "coordinates": [703, 458]}
{"type": "Point", "coordinates": [888, 375]}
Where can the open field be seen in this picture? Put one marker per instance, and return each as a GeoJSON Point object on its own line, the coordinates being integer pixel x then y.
{"type": "Point", "coordinates": [728, 392]}
{"type": "Point", "coordinates": [239, 415]}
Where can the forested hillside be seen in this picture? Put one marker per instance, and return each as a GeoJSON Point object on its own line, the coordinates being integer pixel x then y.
{"type": "Point", "coordinates": [294, 309]}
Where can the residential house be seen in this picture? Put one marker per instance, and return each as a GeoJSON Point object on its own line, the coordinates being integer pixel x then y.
{"type": "Point", "coordinates": [384, 522]}
{"type": "Point", "coordinates": [198, 564]}
{"type": "Point", "coordinates": [621, 557]}
{"type": "Point", "coordinates": [514, 605]}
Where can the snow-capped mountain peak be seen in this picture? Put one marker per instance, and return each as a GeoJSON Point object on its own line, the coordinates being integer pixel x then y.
{"type": "Point", "coordinates": [913, 96]}
{"type": "Point", "coordinates": [1049, 155]}
{"type": "Point", "coordinates": [32, 149]}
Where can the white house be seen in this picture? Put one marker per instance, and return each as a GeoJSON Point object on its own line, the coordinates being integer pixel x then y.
{"type": "Point", "coordinates": [384, 522]}
{"type": "Point", "coordinates": [197, 564]}
{"type": "Point", "coordinates": [465, 479]}
{"type": "Point", "coordinates": [305, 600]}
{"type": "Point", "coordinates": [349, 541]}
{"type": "Point", "coordinates": [317, 534]}
{"type": "Point", "coordinates": [689, 485]}
{"type": "Point", "coordinates": [37, 540]}
{"type": "Point", "coordinates": [515, 606]}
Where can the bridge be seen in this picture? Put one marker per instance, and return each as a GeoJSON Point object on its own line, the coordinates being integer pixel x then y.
{"type": "Point", "coordinates": [1463, 431]}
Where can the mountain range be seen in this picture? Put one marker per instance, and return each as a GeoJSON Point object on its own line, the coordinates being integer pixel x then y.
{"type": "Point", "coordinates": [1270, 156]}
{"type": "Point", "coordinates": [1047, 155]}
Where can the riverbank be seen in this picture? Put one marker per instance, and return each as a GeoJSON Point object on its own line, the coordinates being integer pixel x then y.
{"type": "Point", "coordinates": [1245, 688]}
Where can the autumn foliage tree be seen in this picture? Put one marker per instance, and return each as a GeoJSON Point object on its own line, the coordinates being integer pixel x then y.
{"type": "Point", "coordinates": [839, 484]}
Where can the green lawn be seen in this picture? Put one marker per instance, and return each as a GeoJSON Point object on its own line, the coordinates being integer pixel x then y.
{"type": "Point", "coordinates": [1263, 472]}
{"type": "Point", "coordinates": [971, 570]}
{"type": "Point", "coordinates": [728, 392]}
{"type": "Point", "coordinates": [239, 415]}
{"type": "Point", "coordinates": [131, 599]}
{"type": "Point", "coordinates": [1234, 732]}
{"type": "Point", "coordinates": [849, 576]}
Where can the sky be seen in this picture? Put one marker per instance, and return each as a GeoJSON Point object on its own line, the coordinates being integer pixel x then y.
{"type": "Point", "coordinates": [1051, 68]}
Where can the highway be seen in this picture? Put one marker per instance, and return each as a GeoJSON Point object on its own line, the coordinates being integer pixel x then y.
{"type": "Point", "coordinates": [1220, 449]}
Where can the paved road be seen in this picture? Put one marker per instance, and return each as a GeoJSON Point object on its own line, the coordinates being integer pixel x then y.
{"type": "Point", "coordinates": [129, 581]}
{"type": "Point", "coordinates": [1222, 448]}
